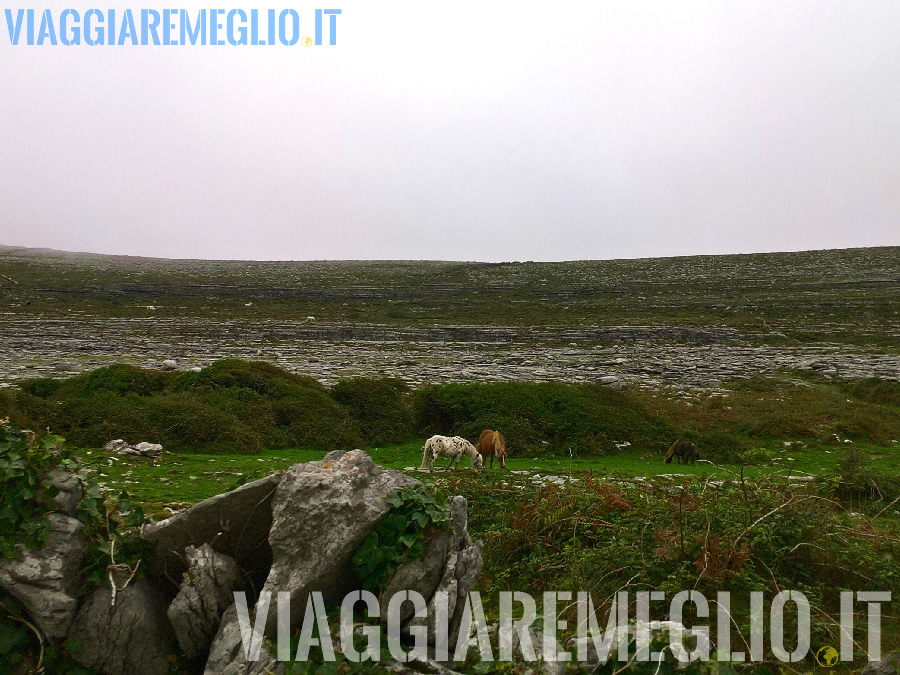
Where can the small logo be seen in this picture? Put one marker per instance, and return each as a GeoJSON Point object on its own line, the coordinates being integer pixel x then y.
{"type": "Point", "coordinates": [306, 41]}
{"type": "Point", "coordinates": [827, 656]}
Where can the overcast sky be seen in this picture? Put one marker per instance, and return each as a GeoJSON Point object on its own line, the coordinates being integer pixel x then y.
{"type": "Point", "coordinates": [466, 130]}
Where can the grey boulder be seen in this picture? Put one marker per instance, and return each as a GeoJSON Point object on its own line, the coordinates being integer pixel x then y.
{"type": "Point", "coordinates": [44, 579]}
{"type": "Point", "coordinates": [142, 449]}
{"type": "Point", "coordinates": [227, 656]}
{"type": "Point", "coordinates": [132, 636]}
{"type": "Point", "coordinates": [421, 575]}
{"type": "Point", "coordinates": [460, 571]}
{"type": "Point", "coordinates": [544, 663]}
{"type": "Point", "coordinates": [117, 445]}
{"type": "Point", "coordinates": [206, 593]}
{"type": "Point", "coordinates": [322, 511]}
{"type": "Point", "coordinates": [235, 523]}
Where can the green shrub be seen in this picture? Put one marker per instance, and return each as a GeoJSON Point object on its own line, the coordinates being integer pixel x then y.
{"type": "Point", "coordinates": [416, 513]}
{"type": "Point", "coordinates": [378, 407]}
{"type": "Point", "coordinates": [859, 482]}
{"type": "Point", "coordinates": [119, 378]}
{"type": "Point", "coordinates": [231, 406]}
{"type": "Point", "coordinates": [539, 418]}
{"type": "Point", "coordinates": [21, 408]}
{"type": "Point", "coordinates": [260, 377]}
{"type": "Point", "coordinates": [41, 387]}
{"type": "Point", "coordinates": [788, 407]}
{"type": "Point", "coordinates": [599, 536]}
{"type": "Point", "coordinates": [718, 446]}
{"type": "Point", "coordinates": [25, 459]}
{"type": "Point", "coordinates": [755, 456]}
{"type": "Point", "coordinates": [874, 390]}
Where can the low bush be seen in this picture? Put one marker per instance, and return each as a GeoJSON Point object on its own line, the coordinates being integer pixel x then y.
{"type": "Point", "coordinates": [718, 446]}
{"type": "Point", "coordinates": [231, 406]}
{"type": "Point", "coordinates": [541, 418]}
{"type": "Point", "coordinates": [378, 407]}
{"type": "Point", "coordinates": [788, 407]}
{"type": "Point", "coordinates": [244, 407]}
{"type": "Point", "coordinates": [874, 390]}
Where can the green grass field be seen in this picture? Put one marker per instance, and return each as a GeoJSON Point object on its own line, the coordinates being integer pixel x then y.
{"type": "Point", "coordinates": [178, 480]}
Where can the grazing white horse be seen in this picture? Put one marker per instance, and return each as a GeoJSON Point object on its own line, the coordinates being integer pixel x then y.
{"type": "Point", "coordinates": [453, 447]}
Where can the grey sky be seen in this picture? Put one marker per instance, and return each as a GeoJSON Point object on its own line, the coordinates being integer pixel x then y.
{"type": "Point", "coordinates": [466, 130]}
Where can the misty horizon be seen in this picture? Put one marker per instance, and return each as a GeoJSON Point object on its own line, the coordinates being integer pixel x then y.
{"type": "Point", "coordinates": [6, 248]}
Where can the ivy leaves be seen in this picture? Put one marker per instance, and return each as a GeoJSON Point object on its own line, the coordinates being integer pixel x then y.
{"type": "Point", "coordinates": [24, 462]}
{"type": "Point", "coordinates": [416, 512]}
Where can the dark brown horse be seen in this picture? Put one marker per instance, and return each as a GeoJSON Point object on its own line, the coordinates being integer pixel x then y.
{"type": "Point", "coordinates": [683, 450]}
{"type": "Point", "coordinates": [492, 443]}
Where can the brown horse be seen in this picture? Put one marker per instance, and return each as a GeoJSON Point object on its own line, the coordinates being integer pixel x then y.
{"type": "Point", "coordinates": [492, 443]}
{"type": "Point", "coordinates": [683, 450]}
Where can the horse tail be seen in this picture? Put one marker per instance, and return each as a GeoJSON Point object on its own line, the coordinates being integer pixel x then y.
{"type": "Point", "coordinates": [428, 454]}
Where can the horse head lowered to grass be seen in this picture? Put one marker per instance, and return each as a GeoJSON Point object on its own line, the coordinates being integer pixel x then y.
{"type": "Point", "coordinates": [683, 450]}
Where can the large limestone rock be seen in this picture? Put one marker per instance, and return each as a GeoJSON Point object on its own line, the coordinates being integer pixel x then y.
{"type": "Point", "coordinates": [44, 579]}
{"type": "Point", "coordinates": [226, 654]}
{"type": "Point", "coordinates": [117, 445]}
{"type": "Point", "coordinates": [322, 511]}
{"type": "Point", "coordinates": [460, 571]}
{"type": "Point", "coordinates": [235, 523]}
{"type": "Point", "coordinates": [421, 575]}
{"type": "Point", "coordinates": [133, 636]}
{"type": "Point", "coordinates": [206, 592]}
